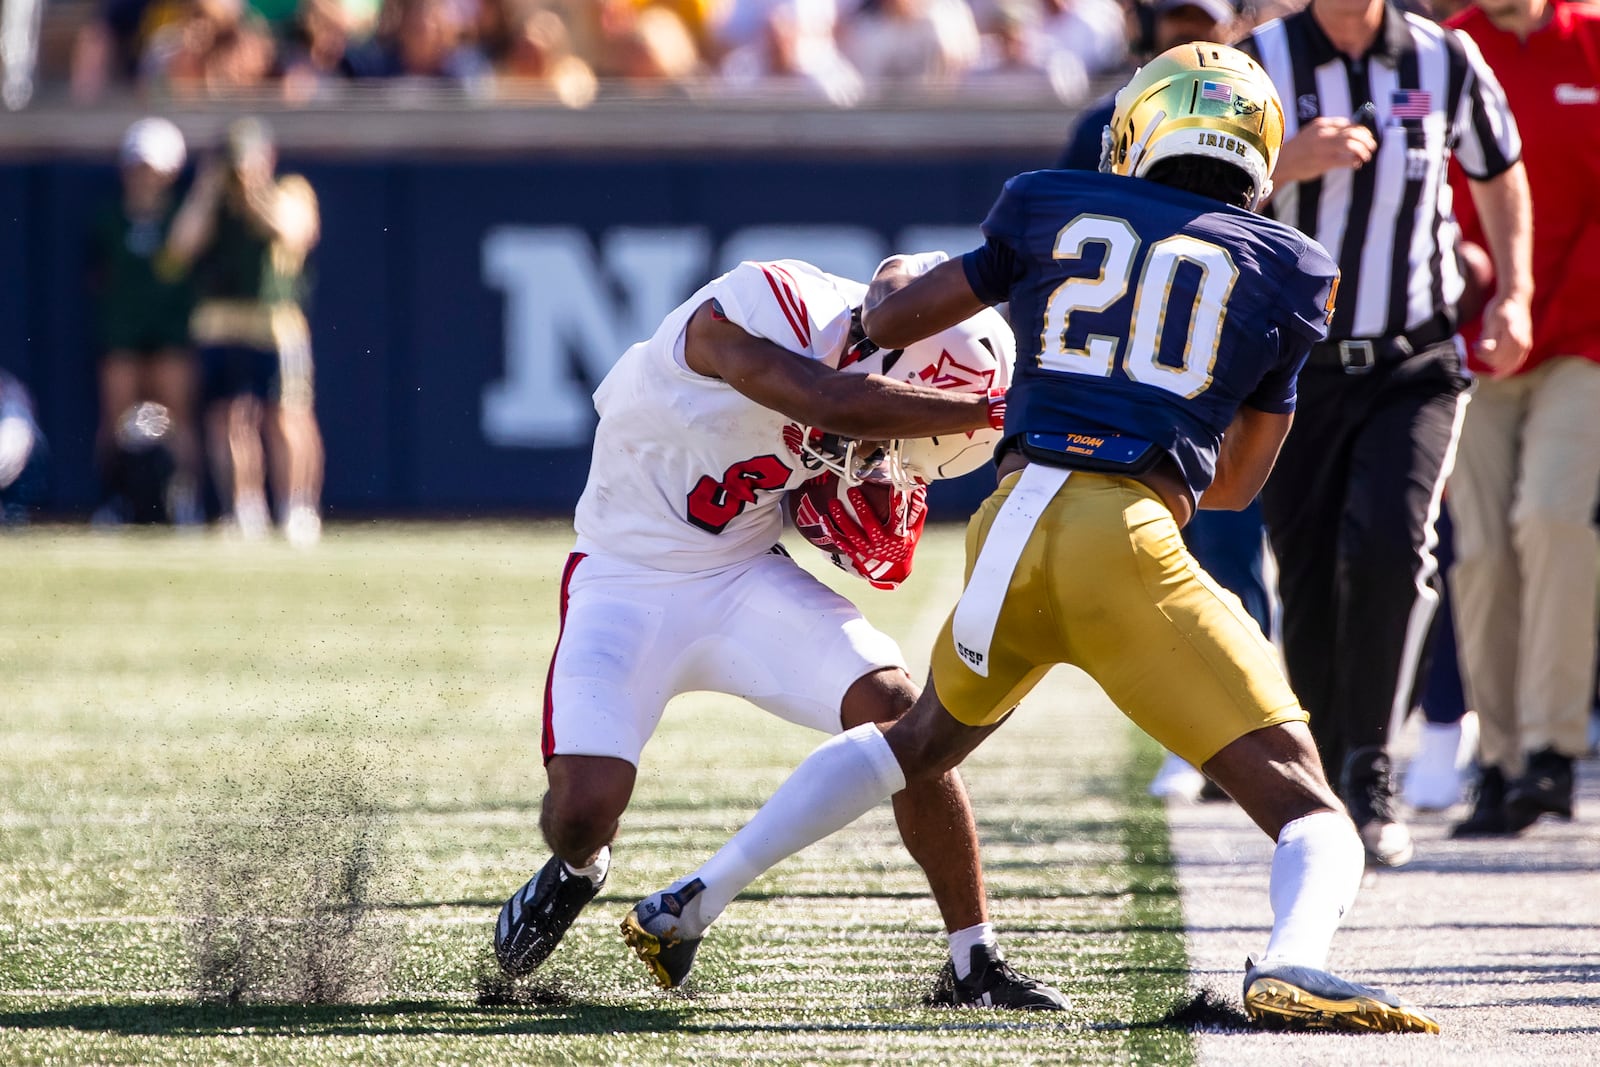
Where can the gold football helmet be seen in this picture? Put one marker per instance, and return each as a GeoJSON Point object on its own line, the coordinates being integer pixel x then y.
{"type": "Point", "coordinates": [1200, 99]}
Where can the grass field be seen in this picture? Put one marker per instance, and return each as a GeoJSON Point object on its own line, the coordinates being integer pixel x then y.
{"type": "Point", "coordinates": [235, 777]}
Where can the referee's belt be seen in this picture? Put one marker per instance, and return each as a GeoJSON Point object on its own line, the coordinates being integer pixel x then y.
{"type": "Point", "coordinates": [1358, 355]}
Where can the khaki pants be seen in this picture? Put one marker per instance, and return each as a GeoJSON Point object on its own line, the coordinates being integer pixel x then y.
{"type": "Point", "coordinates": [1527, 558]}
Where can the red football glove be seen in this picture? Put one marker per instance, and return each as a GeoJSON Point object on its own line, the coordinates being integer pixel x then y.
{"type": "Point", "coordinates": [859, 543]}
{"type": "Point", "coordinates": [879, 552]}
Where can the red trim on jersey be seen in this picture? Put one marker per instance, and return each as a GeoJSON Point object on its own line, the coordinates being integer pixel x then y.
{"type": "Point", "coordinates": [788, 296]}
{"type": "Point", "coordinates": [548, 742]}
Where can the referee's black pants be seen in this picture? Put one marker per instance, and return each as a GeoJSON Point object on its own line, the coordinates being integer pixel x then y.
{"type": "Point", "coordinates": [1350, 509]}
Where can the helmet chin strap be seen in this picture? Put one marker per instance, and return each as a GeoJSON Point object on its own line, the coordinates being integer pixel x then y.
{"type": "Point", "coordinates": [1136, 150]}
{"type": "Point", "coordinates": [1263, 194]}
{"type": "Point", "coordinates": [1106, 144]}
{"type": "Point", "coordinates": [842, 456]}
{"type": "Point", "coordinates": [894, 466]}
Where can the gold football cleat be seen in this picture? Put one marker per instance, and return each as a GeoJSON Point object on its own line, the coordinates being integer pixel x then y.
{"type": "Point", "coordinates": [1308, 999]}
{"type": "Point", "coordinates": [665, 950]}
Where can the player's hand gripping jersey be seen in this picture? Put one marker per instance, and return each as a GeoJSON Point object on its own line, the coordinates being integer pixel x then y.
{"type": "Point", "coordinates": [1145, 315]}
{"type": "Point", "coordinates": [689, 474]}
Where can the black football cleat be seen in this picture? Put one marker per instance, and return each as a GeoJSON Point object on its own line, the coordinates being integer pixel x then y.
{"type": "Point", "coordinates": [533, 921]}
{"type": "Point", "coordinates": [655, 932]}
{"type": "Point", "coordinates": [1545, 788]}
{"type": "Point", "coordinates": [1304, 998]}
{"type": "Point", "coordinates": [993, 983]}
{"type": "Point", "coordinates": [1488, 817]}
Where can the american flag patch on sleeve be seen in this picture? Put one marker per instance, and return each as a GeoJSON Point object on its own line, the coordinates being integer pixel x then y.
{"type": "Point", "coordinates": [1216, 91]}
{"type": "Point", "coordinates": [1410, 103]}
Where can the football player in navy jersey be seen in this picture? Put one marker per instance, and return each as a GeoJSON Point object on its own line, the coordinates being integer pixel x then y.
{"type": "Point", "coordinates": [1160, 327]}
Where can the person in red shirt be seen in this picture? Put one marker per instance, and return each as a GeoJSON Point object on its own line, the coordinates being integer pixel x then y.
{"type": "Point", "coordinates": [1528, 472]}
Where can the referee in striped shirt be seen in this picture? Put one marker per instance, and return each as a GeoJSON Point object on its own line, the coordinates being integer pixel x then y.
{"type": "Point", "coordinates": [1375, 102]}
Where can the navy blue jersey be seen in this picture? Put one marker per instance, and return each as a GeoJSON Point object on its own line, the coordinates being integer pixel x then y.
{"type": "Point", "coordinates": [1145, 313]}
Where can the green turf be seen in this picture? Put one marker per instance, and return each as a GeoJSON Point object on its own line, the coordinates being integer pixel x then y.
{"type": "Point", "coordinates": [187, 723]}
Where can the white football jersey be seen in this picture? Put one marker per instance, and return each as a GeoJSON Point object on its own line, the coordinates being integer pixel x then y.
{"type": "Point", "coordinates": [688, 473]}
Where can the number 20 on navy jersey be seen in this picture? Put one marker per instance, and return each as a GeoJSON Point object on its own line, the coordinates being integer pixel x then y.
{"type": "Point", "coordinates": [1150, 311]}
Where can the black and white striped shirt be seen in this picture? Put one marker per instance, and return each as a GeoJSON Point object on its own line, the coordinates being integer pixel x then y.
{"type": "Point", "coordinates": [1425, 91]}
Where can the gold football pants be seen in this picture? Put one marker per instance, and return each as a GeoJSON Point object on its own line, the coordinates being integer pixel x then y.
{"type": "Point", "coordinates": [1104, 582]}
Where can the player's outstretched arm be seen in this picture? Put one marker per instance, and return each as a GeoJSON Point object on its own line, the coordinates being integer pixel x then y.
{"type": "Point", "coordinates": [904, 304]}
{"type": "Point", "coordinates": [1249, 449]}
{"type": "Point", "coordinates": [868, 406]}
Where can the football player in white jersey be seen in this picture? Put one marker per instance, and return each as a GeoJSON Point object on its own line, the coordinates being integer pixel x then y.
{"type": "Point", "coordinates": [677, 584]}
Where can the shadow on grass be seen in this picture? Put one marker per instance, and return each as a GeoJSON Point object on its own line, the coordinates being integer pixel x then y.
{"type": "Point", "coordinates": [552, 1013]}
{"type": "Point", "coordinates": [396, 1018]}
{"type": "Point", "coordinates": [1204, 1011]}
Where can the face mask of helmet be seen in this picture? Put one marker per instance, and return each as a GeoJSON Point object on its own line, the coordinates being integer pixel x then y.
{"type": "Point", "coordinates": [852, 460]}
{"type": "Point", "coordinates": [971, 357]}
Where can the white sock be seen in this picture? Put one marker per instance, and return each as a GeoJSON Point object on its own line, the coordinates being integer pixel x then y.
{"type": "Point", "coordinates": [1316, 871]}
{"type": "Point", "coordinates": [962, 943]}
{"type": "Point", "coordinates": [596, 871]}
{"type": "Point", "coordinates": [846, 777]}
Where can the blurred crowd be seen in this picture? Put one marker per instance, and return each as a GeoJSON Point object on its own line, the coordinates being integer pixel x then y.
{"type": "Point", "coordinates": [844, 51]}
{"type": "Point", "coordinates": [205, 371]}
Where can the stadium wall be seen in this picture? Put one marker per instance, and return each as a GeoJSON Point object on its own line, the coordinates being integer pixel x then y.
{"type": "Point", "coordinates": [467, 302]}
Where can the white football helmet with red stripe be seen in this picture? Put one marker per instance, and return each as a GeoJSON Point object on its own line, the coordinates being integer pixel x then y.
{"type": "Point", "coordinates": [974, 356]}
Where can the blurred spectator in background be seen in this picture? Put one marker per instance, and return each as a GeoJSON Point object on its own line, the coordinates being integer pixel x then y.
{"type": "Point", "coordinates": [496, 23]}
{"type": "Point", "coordinates": [279, 16]}
{"type": "Point", "coordinates": [1093, 31]}
{"type": "Point", "coordinates": [312, 56]}
{"type": "Point", "coordinates": [1012, 58]}
{"type": "Point", "coordinates": [22, 454]}
{"type": "Point", "coordinates": [218, 46]}
{"type": "Point", "coordinates": [567, 49]}
{"type": "Point", "coordinates": [246, 235]}
{"type": "Point", "coordinates": [648, 46]}
{"type": "Point", "coordinates": [792, 47]}
{"type": "Point", "coordinates": [1528, 469]}
{"type": "Point", "coordinates": [110, 47]}
{"type": "Point", "coordinates": [917, 43]}
{"type": "Point", "coordinates": [684, 32]}
{"type": "Point", "coordinates": [1171, 23]}
{"type": "Point", "coordinates": [697, 16]}
{"type": "Point", "coordinates": [142, 316]}
{"type": "Point", "coordinates": [533, 56]}
{"type": "Point", "coordinates": [742, 22]}
{"type": "Point", "coordinates": [422, 39]}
